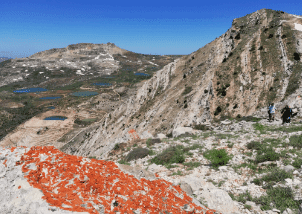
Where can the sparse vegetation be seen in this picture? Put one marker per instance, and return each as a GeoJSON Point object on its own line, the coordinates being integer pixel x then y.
{"type": "Point", "coordinates": [137, 153]}
{"type": "Point", "coordinates": [217, 157]}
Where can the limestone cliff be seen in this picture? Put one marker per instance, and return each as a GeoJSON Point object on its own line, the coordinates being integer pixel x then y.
{"type": "Point", "coordinates": [255, 62]}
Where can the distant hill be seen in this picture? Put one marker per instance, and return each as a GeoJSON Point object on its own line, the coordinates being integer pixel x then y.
{"type": "Point", "coordinates": [4, 58]}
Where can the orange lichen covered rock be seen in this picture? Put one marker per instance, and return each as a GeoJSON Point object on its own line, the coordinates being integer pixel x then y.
{"type": "Point", "coordinates": [79, 184]}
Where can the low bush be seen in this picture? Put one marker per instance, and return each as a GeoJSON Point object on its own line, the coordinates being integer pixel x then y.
{"type": "Point", "coordinates": [173, 154]}
{"type": "Point", "coordinates": [267, 154]}
{"type": "Point", "coordinates": [259, 127]}
{"type": "Point", "coordinates": [249, 119]}
{"type": "Point", "coordinates": [116, 146]}
{"type": "Point", "coordinates": [201, 127]}
{"type": "Point", "coordinates": [280, 197]}
{"type": "Point", "coordinates": [217, 157]}
{"type": "Point", "coordinates": [192, 165]}
{"type": "Point", "coordinates": [296, 141]}
{"type": "Point", "coordinates": [187, 90]}
{"type": "Point", "coordinates": [277, 175]}
{"type": "Point", "coordinates": [124, 162]}
{"type": "Point", "coordinates": [254, 145]}
{"type": "Point", "coordinates": [297, 163]}
{"type": "Point", "coordinates": [137, 153]}
{"type": "Point", "coordinates": [151, 142]}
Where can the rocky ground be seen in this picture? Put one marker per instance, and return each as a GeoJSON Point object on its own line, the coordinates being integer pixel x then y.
{"type": "Point", "coordinates": [261, 174]}
{"type": "Point", "coordinates": [264, 170]}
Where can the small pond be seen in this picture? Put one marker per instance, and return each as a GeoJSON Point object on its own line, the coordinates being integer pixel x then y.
{"type": "Point", "coordinates": [51, 107]}
{"type": "Point", "coordinates": [84, 93]}
{"type": "Point", "coordinates": [49, 98]}
{"type": "Point", "coordinates": [142, 74]}
{"type": "Point", "coordinates": [55, 118]}
{"type": "Point", "coordinates": [30, 90]}
{"type": "Point", "coordinates": [102, 84]}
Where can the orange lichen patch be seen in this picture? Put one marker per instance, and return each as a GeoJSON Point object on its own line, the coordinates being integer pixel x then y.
{"type": "Point", "coordinates": [69, 181]}
{"type": "Point", "coordinates": [133, 134]}
{"type": "Point", "coordinates": [19, 187]}
{"type": "Point", "coordinates": [5, 163]}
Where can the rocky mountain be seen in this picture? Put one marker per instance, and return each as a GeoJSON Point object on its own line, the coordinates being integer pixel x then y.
{"type": "Point", "coordinates": [255, 62]}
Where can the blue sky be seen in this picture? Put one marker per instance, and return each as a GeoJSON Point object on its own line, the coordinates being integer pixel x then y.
{"type": "Point", "coordinates": [148, 27]}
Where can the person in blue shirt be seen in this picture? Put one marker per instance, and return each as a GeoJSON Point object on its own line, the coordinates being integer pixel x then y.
{"type": "Point", "coordinates": [272, 111]}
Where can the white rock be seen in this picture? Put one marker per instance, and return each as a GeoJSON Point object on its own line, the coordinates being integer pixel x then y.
{"type": "Point", "coordinates": [182, 130]}
{"type": "Point", "coordinates": [161, 136]}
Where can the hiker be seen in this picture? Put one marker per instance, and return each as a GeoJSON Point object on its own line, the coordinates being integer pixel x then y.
{"type": "Point", "coordinates": [272, 111]}
{"type": "Point", "coordinates": [287, 114]}
{"type": "Point", "coordinates": [269, 113]}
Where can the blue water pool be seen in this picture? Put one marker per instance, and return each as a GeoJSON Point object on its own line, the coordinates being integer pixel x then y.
{"type": "Point", "coordinates": [51, 107]}
{"type": "Point", "coordinates": [84, 93]}
{"type": "Point", "coordinates": [102, 84]}
{"type": "Point", "coordinates": [55, 118]}
{"type": "Point", "coordinates": [30, 90]}
{"type": "Point", "coordinates": [142, 74]}
{"type": "Point", "coordinates": [49, 98]}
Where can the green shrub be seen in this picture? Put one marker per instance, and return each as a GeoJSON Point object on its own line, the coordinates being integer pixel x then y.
{"type": "Point", "coordinates": [217, 157]}
{"type": "Point", "coordinates": [273, 177]}
{"type": "Point", "coordinates": [124, 162]}
{"type": "Point", "coordinates": [116, 146]}
{"type": "Point", "coordinates": [243, 197]}
{"type": "Point", "coordinates": [173, 154]}
{"type": "Point", "coordinates": [192, 164]}
{"type": "Point", "coordinates": [194, 147]}
{"type": "Point", "coordinates": [177, 173]}
{"type": "Point", "coordinates": [151, 142]}
{"type": "Point", "coordinates": [230, 145]}
{"type": "Point", "coordinates": [201, 127]}
{"type": "Point", "coordinates": [281, 197]}
{"type": "Point", "coordinates": [137, 153]}
{"type": "Point", "coordinates": [296, 141]}
{"type": "Point", "coordinates": [187, 90]}
{"type": "Point", "coordinates": [246, 206]}
{"type": "Point", "coordinates": [297, 163]}
{"type": "Point", "coordinates": [259, 127]}
{"type": "Point", "coordinates": [254, 145]}
{"type": "Point", "coordinates": [267, 154]}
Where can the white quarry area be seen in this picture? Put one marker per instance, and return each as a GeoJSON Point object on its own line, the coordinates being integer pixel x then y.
{"type": "Point", "coordinates": [17, 195]}
{"type": "Point", "coordinates": [298, 27]}
{"type": "Point", "coordinates": [152, 63]}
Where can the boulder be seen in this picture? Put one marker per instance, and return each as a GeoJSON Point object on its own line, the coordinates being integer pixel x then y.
{"type": "Point", "coordinates": [182, 130]}
{"type": "Point", "coordinates": [137, 172]}
{"type": "Point", "coordinates": [186, 187]}
{"type": "Point", "coordinates": [226, 122]}
{"type": "Point", "coordinates": [161, 136]}
{"type": "Point", "coordinates": [146, 135]}
{"type": "Point", "coordinates": [288, 211]}
{"type": "Point", "coordinates": [255, 208]}
{"type": "Point", "coordinates": [219, 200]}
{"type": "Point", "coordinates": [289, 168]}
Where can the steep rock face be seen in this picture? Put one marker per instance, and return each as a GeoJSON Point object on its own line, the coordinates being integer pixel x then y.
{"type": "Point", "coordinates": [255, 62]}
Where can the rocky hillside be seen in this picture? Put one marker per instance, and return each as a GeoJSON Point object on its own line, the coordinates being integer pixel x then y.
{"type": "Point", "coordinates": [255, 62]}
{"type": "Point", "coordinates": [64, 66]}
{"type": "Point", "coordinates": [240, 166]}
